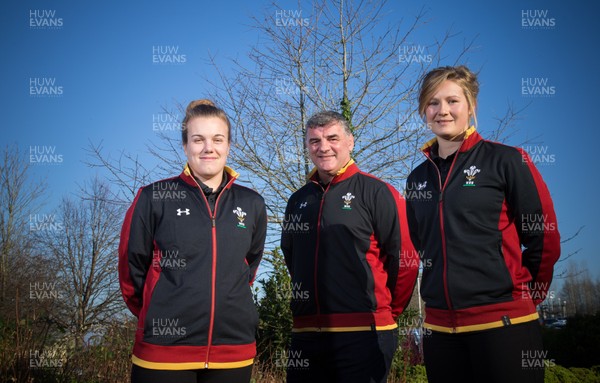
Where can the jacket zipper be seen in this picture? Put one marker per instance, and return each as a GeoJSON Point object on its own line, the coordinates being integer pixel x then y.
{"type": "Point", "coordinates": [213, 219]}
{"type": "Point", "coordinates": [213, 285]}
{"type": "Point", "coordinates": [443, 235]}
{"type": "Point", "coordinates": [317, 250]}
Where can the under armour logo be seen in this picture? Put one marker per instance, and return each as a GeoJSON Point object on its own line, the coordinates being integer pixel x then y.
{"type": "Point", "coordinates": [186, 212]}
{"type": "Point", "coordinates": [303, 205]}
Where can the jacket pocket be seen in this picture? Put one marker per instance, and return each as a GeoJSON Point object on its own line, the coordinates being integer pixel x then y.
{"type": "Point", "coordinates": [178, 314]}
{"type": "Point", "coordinates": [480, 277]}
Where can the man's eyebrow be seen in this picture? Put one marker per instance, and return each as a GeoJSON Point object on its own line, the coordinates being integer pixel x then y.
{"type": "Point", "coordinates": [202, 136]}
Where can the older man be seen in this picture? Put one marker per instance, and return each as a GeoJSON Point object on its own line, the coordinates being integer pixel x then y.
{"type": "Point", "coordinates": [346, 245]}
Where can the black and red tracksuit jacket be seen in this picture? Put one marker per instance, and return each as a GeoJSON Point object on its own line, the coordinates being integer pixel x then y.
{"type": "Point", "coordinates": [349, 254]}
{"type": "Point", "coordinates": [488, 236]}
{"type": "Point", "coordinates": [185, 273]}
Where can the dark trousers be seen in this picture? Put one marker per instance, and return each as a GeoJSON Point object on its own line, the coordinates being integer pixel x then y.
{"type": "Point", "coordinates": [230, 375]}
{"type": "Point", "coordinates": [507, 354]}
{"type": "Point", "coordinates": [348, 357]}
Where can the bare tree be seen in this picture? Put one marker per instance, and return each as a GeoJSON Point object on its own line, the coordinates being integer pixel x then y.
{"type": "Point", "coordinates": [20, 197]}
{"type": "Point", "coordinates": [24, 312]}
{"type": "Point", "coordinates": [126, 173]}
{"type": "Point", "coordinates": [84, 252]}
{"type": "Point", "coordinates": [579, 291]}
{"type": "Point", "coordinates": [336, 57]}
{"type": "Point", "coordinates": [341, 56]}
{"type": "Point", "coordinates": [20, 206]}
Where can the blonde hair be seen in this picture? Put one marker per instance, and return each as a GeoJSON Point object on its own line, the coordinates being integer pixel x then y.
{"type": "Point", "coordinates": [460, 75]}
{"type": "Point", "coordinates": [203, 108]}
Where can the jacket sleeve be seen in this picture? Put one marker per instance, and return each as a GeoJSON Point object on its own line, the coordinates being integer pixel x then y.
{"type": "Point", "coordinates": [412, 223]}
{"type": "Point", "coordinates": [286, 239]}
{"type": "Point", "coordinates": [258, 241]}
{"type": "Point", "coordinates": [529, 200]}
{"type": "Point", "coordinates": [135, 252]}
{"type": "Point", "coordinates": [402, 263]}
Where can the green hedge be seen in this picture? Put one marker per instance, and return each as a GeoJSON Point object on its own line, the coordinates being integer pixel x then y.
{"type": "Point", "coordinates": [559, 374]}
{"type": "Point", "coordinates": [577, 344]}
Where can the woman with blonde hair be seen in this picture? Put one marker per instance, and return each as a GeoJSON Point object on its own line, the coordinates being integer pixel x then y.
{"type": "Point", "coordinates": [485, 225]}
{"type": "Point", "coordinates": [190, 247]}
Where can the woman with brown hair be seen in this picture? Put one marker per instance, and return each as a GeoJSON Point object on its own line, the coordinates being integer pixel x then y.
{"type": "Point", "coordinates": [190, 247]}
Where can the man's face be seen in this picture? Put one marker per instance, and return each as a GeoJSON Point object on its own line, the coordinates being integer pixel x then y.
{"type": "Point", "coordinates": [329, 148]}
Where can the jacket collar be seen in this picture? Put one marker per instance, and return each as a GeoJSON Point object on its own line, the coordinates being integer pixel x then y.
{"type": "Point", "coordinates": [471, 139]}
{"type": "Point", "coordinates": [187, 176]}
{"type": "Point", "coordinates": [344, 173]}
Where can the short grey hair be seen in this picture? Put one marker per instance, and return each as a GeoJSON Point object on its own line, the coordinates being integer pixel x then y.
{"type": "Point", "coordinates": [327, 117]}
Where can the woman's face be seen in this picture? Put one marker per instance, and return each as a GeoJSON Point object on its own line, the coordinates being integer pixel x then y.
{"type": "Point", "coordinates": [207, 147]}
{"type": "Point", "coordinates": [447, 112]}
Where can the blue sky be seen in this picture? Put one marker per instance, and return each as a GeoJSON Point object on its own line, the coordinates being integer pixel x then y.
{"type": "Point", "coordinates": [97, 57]}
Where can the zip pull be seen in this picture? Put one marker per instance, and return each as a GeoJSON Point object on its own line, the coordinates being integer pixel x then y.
{"type": "Point", "coordinates": [214, 222]}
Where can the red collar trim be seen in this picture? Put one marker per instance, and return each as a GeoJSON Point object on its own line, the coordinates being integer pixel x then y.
{"type": "Point", "coordinates": [471, 139]}
{"type": "Point", "coordinates": [344, 173]}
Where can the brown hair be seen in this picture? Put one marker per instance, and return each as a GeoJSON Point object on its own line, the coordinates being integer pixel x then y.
{"type": "Point", "coordinates": [461, 75]}
{"type": "Point", "coordinates": [203, 108]}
